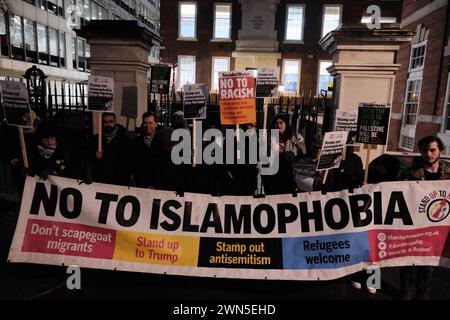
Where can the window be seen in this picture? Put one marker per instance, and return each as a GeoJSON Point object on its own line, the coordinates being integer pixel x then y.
{"type": "Point", "coordinates": [102, 13]}
{"type": "Point", "coordinates": [291, 75]}
{"type": "Point", "coordinates": [74, 53]}
{"type": "Point", "coordinates": [16, 35]}
{"type": "Point", "coordinates": [87, 55]}
{"type": "Point", "coordinates": [30, 41]}
{"type": "Point", "coordinates": [42, 43]}
{"type": "Point", "coordinates": [187, 22]}
{"type": "Point", "coordinates": [87, 9]}
{"type": "Point", "coordinates": [417, 56]}
{"type": "Point", "coordinates": [413, 88]}
{"type": "Point", "coordinates": [3, 36]}
{"type": "Point", "coordinates": [186, 71]}
{"type": "Point", "coordinates": [218, 65]}
{"type": "Point", "coordinates": [222, 21]}
{"type": "Point", "coordinates": [52, 7]}
{"type": "Point", "coordinates": [331, 18]}
{"type": "Point", "coordinates": [2, 22]}
{"type": "Point", "coordinates": [94, 10]}
{"type": "Point", "coordinates": [62, 49]}
{"type": "Point", "coordinates": [81, 54]}
{"type": "Point", "coordinates": [324, 76]}
{"type": "Point", "coordinates": [54, 51]}
{"type": "Point", "coordinates": [294, 22]}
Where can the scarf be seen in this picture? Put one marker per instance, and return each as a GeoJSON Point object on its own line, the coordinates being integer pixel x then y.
{"type": "Point", "coordinates": [46, 152]}
{"type": "Point", "coordinates": [111, 135]}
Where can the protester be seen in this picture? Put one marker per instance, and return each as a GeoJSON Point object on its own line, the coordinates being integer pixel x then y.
{"type": "Point", "coordinates": [429, 168]}
{"type": "Point", "coordinates": [307, 179]}
{"type": "Point", "coordinates": [241, 178]}
{"type": "Point", "coordinates": [48, 156]}
{"type": "Point", "coordinates": [290, 148]}
{"type": "Point", "coordinates": [152, 164]}
{"type": "Point", "coordinates": [112, 164]}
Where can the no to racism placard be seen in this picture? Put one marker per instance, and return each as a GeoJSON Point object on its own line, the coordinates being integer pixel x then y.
{"type": "Point", "coordinates": [15, 104]}
{"type": "Point", "coordinates": [311, 236]}
{"type": "Point", "coordinates": [237, 97]}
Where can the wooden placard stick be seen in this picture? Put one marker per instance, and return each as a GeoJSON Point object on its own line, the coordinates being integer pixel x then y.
{"type": "Point", "coordinates": [23, 147]}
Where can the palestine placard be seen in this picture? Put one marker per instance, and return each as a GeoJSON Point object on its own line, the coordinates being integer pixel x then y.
{"type": "Point", "coordinates": [373, 122]}
{"type": "Point", "coordinates": [160, 79]}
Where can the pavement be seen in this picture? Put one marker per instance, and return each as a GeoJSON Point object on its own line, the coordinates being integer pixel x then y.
{"type": "Point", "coordinates": [42, 282]}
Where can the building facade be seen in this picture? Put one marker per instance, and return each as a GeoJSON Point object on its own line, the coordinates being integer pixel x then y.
{"type": "Point", "coordinates": [40, 32]}
{"type": "Point", "coordinates": [202, 38]}
{"type": "Point", "coordinates": [421, 101]}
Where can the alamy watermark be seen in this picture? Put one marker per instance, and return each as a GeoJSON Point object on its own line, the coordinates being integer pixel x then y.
{"type": "Point", "coordinates": [259, 150]}
{"type": "Point", "coordinates": [74, 280]}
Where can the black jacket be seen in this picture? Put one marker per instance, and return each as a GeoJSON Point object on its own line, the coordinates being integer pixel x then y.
{"type": "Point", "coordinates": [115, 165]}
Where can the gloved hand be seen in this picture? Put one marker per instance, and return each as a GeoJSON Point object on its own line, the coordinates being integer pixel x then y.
{"type": "Point", "coordinates": [44, 175]}
{"type": "Point", "coordinates": [29, 172]}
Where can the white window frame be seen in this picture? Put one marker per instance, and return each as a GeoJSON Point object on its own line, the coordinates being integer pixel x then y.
{"type": "Point", "coordinates": [446, 112]}
{"type": "Point", "coordinates": [286, 24]}
{"type": "Point", "coordinates": [299, 75]}
{"type": "Point", "coordinates": [213, 90]}
{"type": "Point", "coordinates": [404, 125]}
{"type": "Point", "coordinates": [230, 25]}
{"type": "Point", "coordinates": [423, 43]}
{"type": "Point", "coordinates": [318, 79]}
{"type": "Point", "coordinates": [341, 7]}
{"type": "Point", "coordinates": [194, 38]}
{"type": "Point", "coordinates": [179, 86]}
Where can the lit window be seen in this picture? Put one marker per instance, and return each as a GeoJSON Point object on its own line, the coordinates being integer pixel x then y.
{"type": "Point", "coordinates": [222, 21]}
{"type": "Point", "coordinates": [294, 22]}
{"type": "Point", "coordinates": [219, 65]}
{"type": "Point", "coordinates": [324, 76]}
{"type": "Point", "coordinates": [291, 75]}
{"type": "Point", "coordinates": [54, 51]}
{"type": "Point", "coordinates": [30, 41]}
{"type": "Point", "coordinates": [42, 43]}
{"type": "Point", "coordinates": [413, 88]}
{"type": "Point", "coordinates": [188, 12]}
{"type": "Point", "coordinates": [331, 18]}
{"type": "Point", "coordinates": [186, 70]}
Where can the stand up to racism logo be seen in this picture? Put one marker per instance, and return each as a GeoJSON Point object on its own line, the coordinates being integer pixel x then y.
{"type": "Point", "coordinates": [436, 205]}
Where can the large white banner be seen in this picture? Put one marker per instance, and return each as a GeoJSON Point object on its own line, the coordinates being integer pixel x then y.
{"type": "Point", "coordinates": [308, 237]}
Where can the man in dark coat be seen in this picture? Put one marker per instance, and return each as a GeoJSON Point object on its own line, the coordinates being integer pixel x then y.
{"type": "Point", "coordinates": [113, 164]}
{"type": "Point", "coordinates": [152, 164]}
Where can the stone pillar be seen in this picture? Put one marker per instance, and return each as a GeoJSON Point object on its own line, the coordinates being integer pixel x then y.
{"type": "Point", "coordinates": [257, 45]}
{"type": "Point", "coordinates": [364, 67]}
{"type": "Point", "coordinates": [119, 50]}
